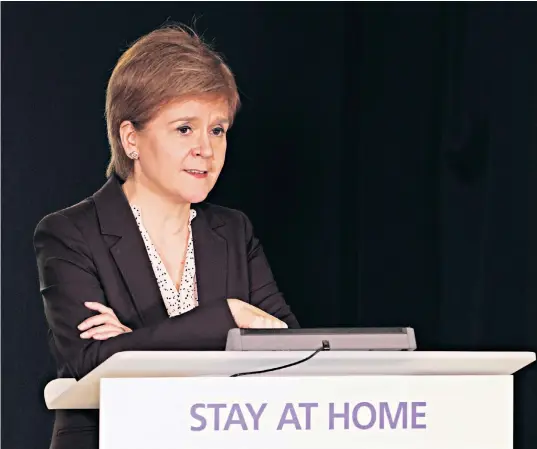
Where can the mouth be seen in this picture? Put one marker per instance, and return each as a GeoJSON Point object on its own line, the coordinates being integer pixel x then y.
{"type": "Point", "coordinates": [197, 173]}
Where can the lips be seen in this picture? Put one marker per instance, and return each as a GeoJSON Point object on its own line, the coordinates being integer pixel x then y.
{"type": "Point", "coordinates": [199, 174]}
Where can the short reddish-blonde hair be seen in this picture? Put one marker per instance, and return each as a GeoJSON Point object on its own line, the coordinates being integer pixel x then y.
{"type": "Point", "coordinates": [163, 66]}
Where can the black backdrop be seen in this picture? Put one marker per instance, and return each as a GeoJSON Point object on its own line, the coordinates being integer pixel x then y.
{"type": "Point", "coordinates": [385, 153]}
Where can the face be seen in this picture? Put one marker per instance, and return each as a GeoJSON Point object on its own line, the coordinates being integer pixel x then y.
{"type": "Point", "coordinates": [182, 150]}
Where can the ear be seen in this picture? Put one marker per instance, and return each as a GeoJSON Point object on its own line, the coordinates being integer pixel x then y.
{"type": "Point", "coordinates": [127, 132]}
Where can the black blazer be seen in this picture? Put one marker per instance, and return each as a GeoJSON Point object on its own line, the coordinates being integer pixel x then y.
{"type": "Point", "coordinates": [93, 251]}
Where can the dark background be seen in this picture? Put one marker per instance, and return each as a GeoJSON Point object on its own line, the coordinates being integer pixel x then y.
{"type": "Point", "coordinates": [386, 154]}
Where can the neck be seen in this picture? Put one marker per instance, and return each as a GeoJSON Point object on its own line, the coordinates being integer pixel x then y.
{"type": "Point", "coordinates": [162, 215]}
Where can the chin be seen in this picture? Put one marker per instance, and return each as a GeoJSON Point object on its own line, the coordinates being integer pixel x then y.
{"type": "Point", "coordinates": [194, 197]}
{"type": "Point", "coordinates": [191, 191]}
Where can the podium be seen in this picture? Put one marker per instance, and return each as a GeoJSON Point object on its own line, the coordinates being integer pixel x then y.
{"type": "Point", "coordinates": [336, 400]}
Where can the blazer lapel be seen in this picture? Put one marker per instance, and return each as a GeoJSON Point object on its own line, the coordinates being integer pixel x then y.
{"type": "Point", "coordinates": [130, 255]}
{"type": "Point", "coordinates": [210, 253]}
{"type": "Point", "coordinates": [128, 250]}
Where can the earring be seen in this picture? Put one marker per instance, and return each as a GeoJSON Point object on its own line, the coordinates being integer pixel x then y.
{"type": "Point", "coordinates": [133, 154]}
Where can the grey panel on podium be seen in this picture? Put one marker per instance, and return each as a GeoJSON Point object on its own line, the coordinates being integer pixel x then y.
{"type": "Point", "coordinates": [336, 339]}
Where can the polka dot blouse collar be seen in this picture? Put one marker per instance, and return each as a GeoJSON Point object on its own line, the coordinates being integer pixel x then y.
{"type": "Point", "coordinates": [186, 299]}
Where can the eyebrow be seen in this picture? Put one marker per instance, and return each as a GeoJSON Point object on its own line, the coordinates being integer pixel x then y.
{"type": "Point", "coordinates": [193, 119]}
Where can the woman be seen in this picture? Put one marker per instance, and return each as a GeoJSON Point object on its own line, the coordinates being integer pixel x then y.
{"type": "Point", "coordinates": [143, 264]}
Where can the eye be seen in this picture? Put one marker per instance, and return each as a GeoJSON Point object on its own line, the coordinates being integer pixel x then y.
{"type": "Point", "coordinates": [184, 130]}
{"type": "Point", "coordinates": [218, 131]}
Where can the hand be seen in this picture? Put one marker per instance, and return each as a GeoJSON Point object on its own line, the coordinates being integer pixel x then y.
{"type": "Point", "coordinates": [247, 316]}
{"type": "Point", "coordinates": [107, 324]}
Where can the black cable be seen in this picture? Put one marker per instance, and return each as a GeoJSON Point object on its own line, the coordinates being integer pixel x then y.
{"type": "Point", "coordinates": [325, 347]}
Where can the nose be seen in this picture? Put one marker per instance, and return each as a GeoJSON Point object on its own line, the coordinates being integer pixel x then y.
{"type": "Point", "coordinates": [204, 149]}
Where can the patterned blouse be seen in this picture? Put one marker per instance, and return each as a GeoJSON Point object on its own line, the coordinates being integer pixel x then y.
{"type": "Point", "coordinates": [176, 302]}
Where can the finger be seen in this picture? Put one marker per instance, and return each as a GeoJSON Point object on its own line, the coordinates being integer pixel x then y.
{"type": "Point", "coordinates": [106, 335]}
{"type": "Point", "coordinates": [261, 322]}
{"type": "Point", "coordinates": [256, 323]}
{"type": "Point", "coordinates": [272, 323]}
{"type": "Point", "coordinates": [100, 329]}
{"type": "Point", "coordinates": [97, 306]}
{"type": "Point", "coordinates": [110, 331]}
{"type": "Point", "coordinates": [96, 320]}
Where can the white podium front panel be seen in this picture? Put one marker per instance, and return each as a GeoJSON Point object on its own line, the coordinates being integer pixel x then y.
{"type": "Point", "coordinates": [349, 412]}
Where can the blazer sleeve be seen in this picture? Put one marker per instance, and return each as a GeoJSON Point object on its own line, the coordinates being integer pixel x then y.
{"type": "Point", "coordinates": [68, 278]}
{"type": "Point", "coordinates": [264, 292]}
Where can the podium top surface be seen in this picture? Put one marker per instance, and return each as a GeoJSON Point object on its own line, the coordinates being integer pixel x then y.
{"type": "Point", "coordinates": [67, 393]}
